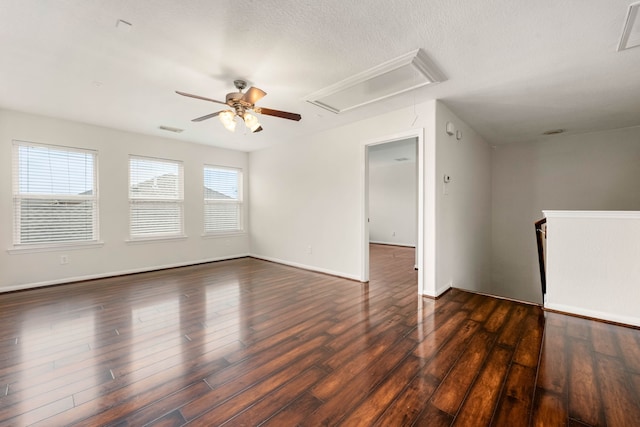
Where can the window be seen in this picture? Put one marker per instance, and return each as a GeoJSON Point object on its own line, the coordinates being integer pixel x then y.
{"type": "Point", "coordinates": [54, 194]}
{"type": "Point", "coordinates": [155, 198]}
{"type": "Point", "coordinates": [222, 200]}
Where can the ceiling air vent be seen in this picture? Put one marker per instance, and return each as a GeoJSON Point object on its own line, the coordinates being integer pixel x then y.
{"type": "Point", "coordinates": [407, 72]}
{"type": "Point", "coordinates": [171, 129]}
{"type": "Point", "coordinates": [553, 132]}
{"type": "Point", "coordinates": [631, 33]}
{"type": "Point", "coordinates": [123, 26]}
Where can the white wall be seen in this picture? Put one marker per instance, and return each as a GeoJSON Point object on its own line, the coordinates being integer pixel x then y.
{"type": "Point", "coordinates": [308, 193]}
{"type": "Point", "coordinates": [595, 171]}
{"type": "Point", "coordinates": [23, 269]}
{"type": "Point", "coordinates": [592, 264]}
{"type": "Point", "coordinates": [392, 203]}
{"type": "Point", "coordinates": [306, 201]}
{"type": "Point", "coordinates": [463, 214]}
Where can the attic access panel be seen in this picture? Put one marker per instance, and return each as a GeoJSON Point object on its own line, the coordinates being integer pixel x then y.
{"type": "Point", "coordinates": [410, 71]}
{"type": "Point", "coordinates": [631, 33]}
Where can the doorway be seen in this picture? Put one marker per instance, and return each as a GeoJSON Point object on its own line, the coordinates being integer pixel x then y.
{"type": "Point", "coordinates": [393, 189]}
{"type": "Point", "coordinates": [393, 193]}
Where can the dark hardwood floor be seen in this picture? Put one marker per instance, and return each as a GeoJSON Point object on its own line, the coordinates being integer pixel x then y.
{"type": "Point", "coordinates": [248, 342]}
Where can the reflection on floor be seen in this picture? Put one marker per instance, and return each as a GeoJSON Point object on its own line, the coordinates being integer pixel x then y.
{"type": "Point", "coordinates": [249, 342]}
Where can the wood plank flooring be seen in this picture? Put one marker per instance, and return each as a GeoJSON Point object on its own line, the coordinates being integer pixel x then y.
{"type": "Point", "coordinates": [247, 342]}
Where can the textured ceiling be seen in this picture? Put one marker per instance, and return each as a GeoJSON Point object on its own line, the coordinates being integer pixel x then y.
{"type": "Point", "coordinates": [388, 153]}
{"type": "Point", "coordinates": [515, 68]}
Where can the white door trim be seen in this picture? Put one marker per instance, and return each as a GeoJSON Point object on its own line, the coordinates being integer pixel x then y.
{"type": "Point", "coordinates": [364, 203]}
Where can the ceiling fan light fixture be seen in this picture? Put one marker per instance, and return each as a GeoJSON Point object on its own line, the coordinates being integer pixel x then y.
{"type": "Point", "coordinates": [240, 104]}
{"type": "Point", "coordinates": [227, 118]}
{"type": "Point", "coordinates": [252, 122]}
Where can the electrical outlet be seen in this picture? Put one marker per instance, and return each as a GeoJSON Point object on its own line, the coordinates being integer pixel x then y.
{"type": "Point", "coordinates": [64, 259]}
{"type": "Point", "coordinates": [309, 249]}
{"type": "Point", "coordinates": [393, 234]}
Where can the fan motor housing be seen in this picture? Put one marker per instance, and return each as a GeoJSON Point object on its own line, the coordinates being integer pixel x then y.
{"type": "Point", "coordinates": [233, 97]}
{"type": "Point", "coordinates": [234, 100]}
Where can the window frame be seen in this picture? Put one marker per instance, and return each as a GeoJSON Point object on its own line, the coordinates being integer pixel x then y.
{"type": "Point", "coordinates": [179, 201]}
{"type": "Point", "coordinates": [18, 197]}
{"type": "Point", "coordinates": [239, 201]}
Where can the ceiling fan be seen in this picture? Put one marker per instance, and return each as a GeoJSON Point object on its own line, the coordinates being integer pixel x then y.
{"type": "Point", "coordinates": [241, 104]}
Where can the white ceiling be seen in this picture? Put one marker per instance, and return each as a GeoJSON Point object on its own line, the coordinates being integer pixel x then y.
{"type": "Point", "coordinates": [515, 68]}
{"type": "Point", "coordinates": [390, 153]}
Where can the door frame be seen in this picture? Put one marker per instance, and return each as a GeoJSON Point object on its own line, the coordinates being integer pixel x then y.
{"type": "Point", "coordinates": [412, 133]}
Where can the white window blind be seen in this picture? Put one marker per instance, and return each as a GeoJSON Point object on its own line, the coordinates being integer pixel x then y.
{"type": "Point", "coordinates": [54, 194]}
{"type": "Point", "coordinates": [155, 198]}
{"type": "Point", "coordinates": [222, 199]}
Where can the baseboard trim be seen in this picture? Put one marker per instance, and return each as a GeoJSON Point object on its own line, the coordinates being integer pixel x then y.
{"type": "Point", "coordinates": [403, 245]}
{"type": "Point", "coordinates": [501, 297]}
{"type": "Point", "coordinates": [116, 273]}
{"type": "Point", "coordinates": [633, 322]}
{"type": "Point", "coordinates": [438, 294]}
{"type": "Point", "coordinates": [307, 267]}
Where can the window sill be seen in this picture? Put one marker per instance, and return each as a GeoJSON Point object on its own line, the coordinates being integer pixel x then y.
{"type": "Point", "coordinates": [146, 240]}
{"type": "Point", "coordinates": [74, 246]}
{"type": "Point", "coordinates": [221, 234]}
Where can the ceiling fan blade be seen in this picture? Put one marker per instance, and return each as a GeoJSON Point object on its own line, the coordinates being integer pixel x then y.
{"type": "Point", "coordinates": [253, 95]}
{"type": "Point", "coordinates": [199, 97]}
{"type": "Point", "coordinates": [208, 116]}
{"type": "Point", "coordinates": [278, 113]}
